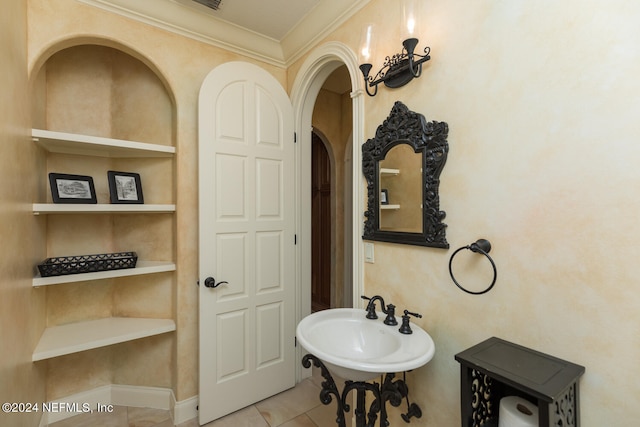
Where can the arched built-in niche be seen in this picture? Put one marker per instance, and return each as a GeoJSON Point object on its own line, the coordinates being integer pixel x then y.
{"type": "Point", "coordinates": [88, 92]}
{"type": "Point", "coordinates": [102, 91]}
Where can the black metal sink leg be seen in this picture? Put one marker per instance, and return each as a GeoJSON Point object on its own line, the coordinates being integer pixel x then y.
{"type": "Point", "coordinates": [392, 390]}
{"type": "Point", "coordinates": [328, 388]}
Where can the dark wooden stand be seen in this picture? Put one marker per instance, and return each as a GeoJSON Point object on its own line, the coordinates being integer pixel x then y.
{"type": "Point", "coordinates": [496, 368]}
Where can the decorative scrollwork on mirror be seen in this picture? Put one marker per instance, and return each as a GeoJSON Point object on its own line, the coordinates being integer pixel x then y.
{"type": "Point", "coordinates": [426, 139]}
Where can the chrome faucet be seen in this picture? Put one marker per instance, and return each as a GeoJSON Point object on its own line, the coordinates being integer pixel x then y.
{"type": "Point", "coordinates": [389, 310]}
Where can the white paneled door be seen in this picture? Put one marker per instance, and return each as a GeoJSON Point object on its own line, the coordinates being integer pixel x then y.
{"type": "Point", "coordinates": [247, 232]}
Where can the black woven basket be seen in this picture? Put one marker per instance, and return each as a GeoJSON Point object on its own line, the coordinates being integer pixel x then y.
{"type": "Point", "coordinates": [87, 263]}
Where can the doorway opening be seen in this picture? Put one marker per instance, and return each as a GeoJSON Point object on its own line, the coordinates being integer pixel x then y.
{"type": "Point", "coordinates": [331, 252]}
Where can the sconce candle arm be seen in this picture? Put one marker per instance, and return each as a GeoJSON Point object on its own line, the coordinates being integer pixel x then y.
{"type": "Point", "coordinates": [414, 67]}
{"type": "Point", "coordinates": [366, 68]}
{"type": "Point", "coordinates": [398, 69]}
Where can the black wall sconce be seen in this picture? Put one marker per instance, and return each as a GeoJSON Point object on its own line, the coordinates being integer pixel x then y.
{"type": "Point", "coordinates": [400, 68]}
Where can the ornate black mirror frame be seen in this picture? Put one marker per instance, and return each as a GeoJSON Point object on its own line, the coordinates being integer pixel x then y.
{"type": "Point", "coordinates": [404, 126]}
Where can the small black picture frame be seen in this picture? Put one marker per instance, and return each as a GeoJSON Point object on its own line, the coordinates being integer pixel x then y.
{"type": "Point", "coordinates": [125, 187]}
{"type": "Point", "coordinates": [384, 196]}
{"type": "Point", "coordinates": [67, 188]}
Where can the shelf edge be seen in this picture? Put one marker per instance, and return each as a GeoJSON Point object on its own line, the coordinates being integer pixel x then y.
{"type": "Point", "coordinates": [57, 142]}
{"type": "Point", "coordinates": [151, 327]}
{"type": "Point", "coordinates": [142, 268]}
{"type": "Point", "coordinates": [102, 208]}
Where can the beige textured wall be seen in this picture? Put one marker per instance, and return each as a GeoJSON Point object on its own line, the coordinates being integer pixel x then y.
{"type": "Point", "coordinates": [22, 311]}
{"type": "Point", "coordinates": [181, 65]}
{"type": "Point", "coordinates": [542, 101]}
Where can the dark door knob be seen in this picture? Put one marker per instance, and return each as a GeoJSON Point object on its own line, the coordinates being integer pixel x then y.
{"type": "Point", "coordinates": [210, 282]}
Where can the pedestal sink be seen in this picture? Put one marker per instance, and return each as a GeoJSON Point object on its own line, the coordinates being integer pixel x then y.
{"type": "Point", "coordinates": [343, 342]}
{"type": "Point", "coordinates": [360, 349]}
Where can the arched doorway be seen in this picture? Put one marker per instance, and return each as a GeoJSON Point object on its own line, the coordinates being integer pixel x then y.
{"type": "Point", "coordinates": [332, 129]}
{"type": "Point", "coordinates": [314, 71]}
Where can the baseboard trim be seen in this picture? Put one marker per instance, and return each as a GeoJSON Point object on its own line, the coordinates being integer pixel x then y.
{"type": "Point", "coordinates": [75, 404]}
{"type": "Point", "coordinates": [122, 395]}
{"type": "Point", "coordinates": [185, 410]}
{"type": "Point", "coordinates": [141, 397]}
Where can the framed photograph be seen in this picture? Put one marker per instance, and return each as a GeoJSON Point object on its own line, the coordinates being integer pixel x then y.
{"type": "Point", "coordinates": [72, 188]}
{"type": "Point", "coordinates": [125, 187]}
{"type": "Point", "coordinates": [384, 196]}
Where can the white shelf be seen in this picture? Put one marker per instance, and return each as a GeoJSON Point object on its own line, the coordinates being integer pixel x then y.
{"type": "Point", "coordinates": [142, 267]}
{"type": "Point", "coordinates": [389, 171]}
{"type": "Point", "coordinates": [58, 208]}
{"type": "Point", "coordinates": [389, 206]}
{"type": "Point", "coordinates": [70, 143]}
{"type": "Point", "coordinates": [85, 335]}
{"type": "Point", "coordinates": [74, 337]}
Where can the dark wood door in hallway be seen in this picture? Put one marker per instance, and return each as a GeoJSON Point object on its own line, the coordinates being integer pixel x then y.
{"type": "Point", "coordinates": [320, 226]}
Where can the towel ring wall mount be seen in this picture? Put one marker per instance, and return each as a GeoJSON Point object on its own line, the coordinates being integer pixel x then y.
{"type": "Point", "coordinates": [481, 246]}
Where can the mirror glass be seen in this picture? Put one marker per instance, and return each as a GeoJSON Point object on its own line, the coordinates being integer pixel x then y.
{"type": "Point", "coordinates": [402, 166]}
{"type": "Point", "coordinates": [400, 180]}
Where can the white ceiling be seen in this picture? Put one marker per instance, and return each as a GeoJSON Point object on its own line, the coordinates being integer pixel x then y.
{"type": "Point", "coordinates": [276, 31]}
{"type": "Point", "coordinates": [272, 19]}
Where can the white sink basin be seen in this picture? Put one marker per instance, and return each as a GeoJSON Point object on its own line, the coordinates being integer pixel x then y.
{"type": "Point", "coordinates": [360, 349]}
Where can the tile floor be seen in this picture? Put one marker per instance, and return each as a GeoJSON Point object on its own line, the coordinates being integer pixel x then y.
{"type": "Point", "coordinates": [297, 407]}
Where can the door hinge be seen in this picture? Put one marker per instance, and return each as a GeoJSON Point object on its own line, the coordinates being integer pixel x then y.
{"type": "Point", "coordinates": [295, 137]}
{"type": "Point", "coordinates": [295, 239]}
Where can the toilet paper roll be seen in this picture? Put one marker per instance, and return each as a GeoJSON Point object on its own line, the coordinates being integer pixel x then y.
{"type": "Point", "coordinates": [517, 412]}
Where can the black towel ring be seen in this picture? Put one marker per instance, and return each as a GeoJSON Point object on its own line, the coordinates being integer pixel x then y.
{"type": "Point", "coordinates": [483, 247]}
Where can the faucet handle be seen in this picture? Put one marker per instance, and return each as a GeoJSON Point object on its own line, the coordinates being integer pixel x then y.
{"type": "Point", "coordinates": [391, 315]}
{"type": "Point", "coordinates": [405, 328]}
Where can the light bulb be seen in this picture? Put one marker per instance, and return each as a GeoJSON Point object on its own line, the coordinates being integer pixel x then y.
{"type": "Point", "coordinates": [410, 17]}
{"type": "Point", "coordinates": [367, 45]}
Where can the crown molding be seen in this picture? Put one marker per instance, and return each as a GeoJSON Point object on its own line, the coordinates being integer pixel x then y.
{"type": "Point", "coordinates": [316, 25]}
{"type": "Point", "coordinates": [190, 22]}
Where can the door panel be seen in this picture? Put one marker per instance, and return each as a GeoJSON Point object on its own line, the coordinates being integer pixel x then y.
{"type": "Point", "coordinates": [269, 262]}
{"type": "Point", "coordinates": [269, 122]}
{"type": "Point", "coordinates": [230, 113]}
{"type": "Point", "coordinates": [232, 199]}
{"type": "Point", "coordinates": [269, 318]}
{"type": "Point", "coordinates": [231, 250]}
{"type": "Point", "coordinates": [247, 228]}
{"type": "Point", "coordinates": [269, 178]}
{"type": "Point", "coordinates": [232, 351]}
